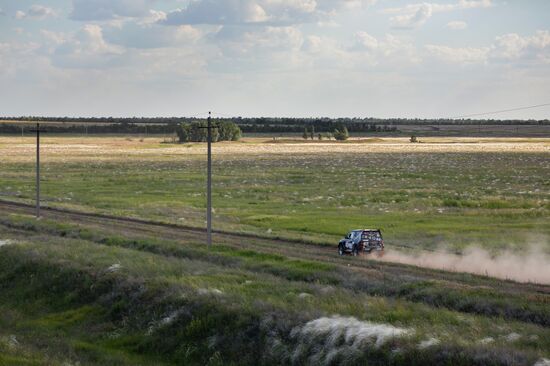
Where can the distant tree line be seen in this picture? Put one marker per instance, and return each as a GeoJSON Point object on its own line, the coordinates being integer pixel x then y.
{"type": "Point", "coordinates": [84, 128]}
{"type": "Point", "coordinates": [286, 121]}
{"type": "Point", "coordinates": [171, 125]}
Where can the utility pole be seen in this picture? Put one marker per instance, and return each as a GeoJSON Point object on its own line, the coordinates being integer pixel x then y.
{"type": "Point", "coordinates": [209, 127]}
{"type": "Point", "coordinates": [38, 170]}
{"type": "Point", "coordinates": [209, 184]}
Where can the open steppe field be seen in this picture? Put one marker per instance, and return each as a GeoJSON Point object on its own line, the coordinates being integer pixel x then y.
{"type": "Point", "coordinates": [90, 290]}
{"type": "Point", "coordinates": [444, 192]}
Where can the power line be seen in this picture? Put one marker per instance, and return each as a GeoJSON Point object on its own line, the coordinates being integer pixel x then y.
{"type": "Point", "coordinates": [224, 115]}
{"type": "Point", "coordinates": [502, 111]}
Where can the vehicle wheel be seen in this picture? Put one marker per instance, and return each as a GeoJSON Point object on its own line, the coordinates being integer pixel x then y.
{"type": "Point", "coordinates": [340, 250]}
{"type": "Point", "coordinates": [354, 251]}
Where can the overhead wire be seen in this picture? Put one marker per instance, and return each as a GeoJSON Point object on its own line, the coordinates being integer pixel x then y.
{"type": "Point", "coordinates": [502, 111]}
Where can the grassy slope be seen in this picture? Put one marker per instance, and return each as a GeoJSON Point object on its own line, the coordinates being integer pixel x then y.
{"type": "Point", "coordinates": [170, 302]}
{"type": "Point", "coordinates": [456, 199]}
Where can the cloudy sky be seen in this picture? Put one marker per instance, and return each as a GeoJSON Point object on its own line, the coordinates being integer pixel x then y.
{"type": "Point", "coordinates": [379, 58]}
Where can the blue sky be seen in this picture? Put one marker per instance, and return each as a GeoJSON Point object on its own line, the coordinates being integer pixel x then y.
{"type": "Point", "coordinates": [353, 58]}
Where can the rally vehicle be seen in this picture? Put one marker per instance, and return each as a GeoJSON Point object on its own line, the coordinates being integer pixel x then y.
{"type": "Point", "coordinates": [361, 241]}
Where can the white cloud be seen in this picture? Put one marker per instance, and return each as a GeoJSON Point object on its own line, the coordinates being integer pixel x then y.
{"type": "Point", "coordinates": [265, 12]}
{"type": "Point", "coordinates": [413, 19]}
{"type": "Point", "coordinates": [415, 15]}
{"type": "Point", "coordinates": [366, 52]}
{"type": "Point", "coordinates": [314, 44]}
{"type": "Point", "coordinates": [218, 12]}
{"type": "Point", "coordinates": [466, 55]}
{"type": "Point", "coordinates": [513, 47]}
{"type": "Point", "coordinates": [366, 41]}
{"type": "Point", "coordinates": [387, 49]}
{"type": "Point", "coordinates": [88, 10]}
{"type": "Point", "coordinates": [303, 6]}
{"type": "Point", "coordinates": [151, 35]}
{"type": "Point", "coordinates": [55, 38]}
{"type": "Point", "coordinates": [241, 50]}
{"type": "Point", "coordinates": [153, 17]}
{"type": "Point", "coordinates": [457, 25]}
{"type": "Point", "coordinates": [255, 42]}
{"type": "Point", "coordinates": [330, 5]}
{"type": "Point", "coordinates": [507, 48]}
{"type": "Point", "coordinates": [87, 49]}
{"type": "Point", "coordinates": [2, 12]}
{"type": "Point", "coordinates": [36, 12]}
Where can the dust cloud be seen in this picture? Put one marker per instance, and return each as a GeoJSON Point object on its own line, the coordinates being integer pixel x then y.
{"type": "Point", "coordinates": [526, 265]}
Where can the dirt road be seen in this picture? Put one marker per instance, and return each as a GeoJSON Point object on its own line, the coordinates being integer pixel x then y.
{"type": "Point", "coordinates": [367, 265]}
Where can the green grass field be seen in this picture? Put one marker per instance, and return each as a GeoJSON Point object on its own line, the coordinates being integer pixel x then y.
{"type": "Point", "coordinates": [76, 293]}
{"type": "Point", "coordinates": [89, 291]}
{"type": "Point", "coordinates": [449, 193]}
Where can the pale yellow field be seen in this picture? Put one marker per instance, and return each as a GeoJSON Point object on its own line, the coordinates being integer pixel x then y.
{"type": "Point", "coordinates": [22, 149]}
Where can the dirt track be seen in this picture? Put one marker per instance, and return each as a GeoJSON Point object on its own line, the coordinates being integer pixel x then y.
{"type": "Point", "coordinates": [137, 228]}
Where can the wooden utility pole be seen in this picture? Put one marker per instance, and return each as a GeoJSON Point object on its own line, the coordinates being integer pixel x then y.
{"type": "Point", "coordinates": [38, 170]}
{"type": "Point", "coordinates": [209, 128]}
{"type": "Point", "coordinates": [209, 184]}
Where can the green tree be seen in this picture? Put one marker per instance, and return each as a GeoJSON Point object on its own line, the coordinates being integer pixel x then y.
{"type": "Point", "coordinates": [183, 132]}
{"type": "Point", "coordinates": [304, 136]}
{"type": "Point", "coordinates": [312, 132]}
{"type": "Point", "coordinates": [197, 132]}
{"type": "Point", "coordinates": [341, 134]}
{"type": "Point", "coordinates": [228, 131]}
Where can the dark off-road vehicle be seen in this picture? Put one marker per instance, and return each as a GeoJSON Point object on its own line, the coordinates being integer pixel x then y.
{"type": "Point", "coordinates": [361, 241]}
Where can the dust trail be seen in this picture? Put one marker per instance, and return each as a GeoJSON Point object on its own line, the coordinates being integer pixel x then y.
{"type": "Point", "coordinates": [528, 265]}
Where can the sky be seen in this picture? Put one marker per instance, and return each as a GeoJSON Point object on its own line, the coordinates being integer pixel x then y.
{"type": "Point", "coordinates": [293, 58]}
